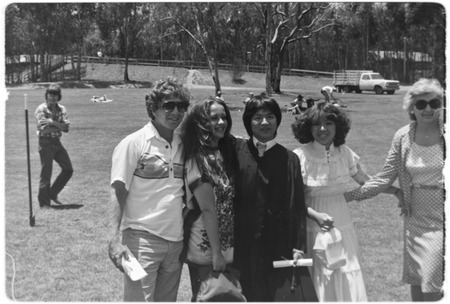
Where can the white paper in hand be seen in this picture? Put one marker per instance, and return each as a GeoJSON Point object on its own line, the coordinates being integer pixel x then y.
{"type": "Point", "coordinates": [329, 249]}
{"type": "Point", "coordinates": [132, 267]}
{"type": "Point", "coordinates": [290, 263]}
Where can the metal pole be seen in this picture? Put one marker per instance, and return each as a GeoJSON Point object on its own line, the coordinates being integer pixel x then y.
{"type": "Point", "coordinates": [32, 219]}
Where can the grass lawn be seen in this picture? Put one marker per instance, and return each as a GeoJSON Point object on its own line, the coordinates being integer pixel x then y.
{"type": "Point", "coordinates": [64, 257]}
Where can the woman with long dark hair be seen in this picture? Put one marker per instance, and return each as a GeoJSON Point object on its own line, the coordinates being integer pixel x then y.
{"type": "Point", "coordinates": [210, 178]}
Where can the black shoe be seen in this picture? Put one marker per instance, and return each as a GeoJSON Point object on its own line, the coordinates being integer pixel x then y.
{"type": "Point", "coordinates": [56, 201]}
{"type": "Point", "coordinates": [45, 206]}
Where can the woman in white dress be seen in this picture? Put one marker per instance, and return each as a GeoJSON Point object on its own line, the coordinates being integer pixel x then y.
{"type": "Point", "coordinates": [416, 158]}
{"type": "Point", "coordinates": [329, 168]}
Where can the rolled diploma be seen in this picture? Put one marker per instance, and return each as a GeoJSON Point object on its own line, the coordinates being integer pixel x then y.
{"type": "Point", "coordinates": [290, 263]}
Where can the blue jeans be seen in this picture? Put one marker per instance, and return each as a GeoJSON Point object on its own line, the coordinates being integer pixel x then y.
{"type": "Point", "coordinates": [160, 259]}
{"type": "Point", "coordinates": [51, 149]}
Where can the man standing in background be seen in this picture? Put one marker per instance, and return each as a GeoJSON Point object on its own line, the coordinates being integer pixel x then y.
{"type": "Point", "coordinates": [52, 120]}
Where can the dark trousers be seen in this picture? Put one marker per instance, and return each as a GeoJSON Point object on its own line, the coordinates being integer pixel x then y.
{"type": "Point", "coordinates": [255, 267]}
{"type": "Point", "coordinates": [195, 280]}
{"type": "Point", "coordinates": [51, 149]}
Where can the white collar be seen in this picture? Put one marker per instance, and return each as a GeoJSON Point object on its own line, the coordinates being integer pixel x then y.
{"type": "Point", "coordinates": [269, 144]}
{"type": "Point", "coordinates": [318, 147]}
{"type": "Point", "coordinates": [153, 132]}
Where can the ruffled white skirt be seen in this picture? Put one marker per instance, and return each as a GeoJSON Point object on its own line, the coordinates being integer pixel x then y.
{"type": "Point", "coordinates": [345, 284]}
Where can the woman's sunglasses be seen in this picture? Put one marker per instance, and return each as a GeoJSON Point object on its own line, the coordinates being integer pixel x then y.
{"type": "Point", "coordinates": [169, 106]}
{"type": "Point", "coordinates": [422, 104]}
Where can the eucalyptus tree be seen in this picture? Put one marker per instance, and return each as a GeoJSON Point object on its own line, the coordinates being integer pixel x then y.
{"type": "Point", "coordinates": [17, 40]}
{"type": "Point", "coordinates": [398, 29]}
{"type": "Point", "coordinates": [240, 42]}
{"type": "Point", "coordinates": [79, 19]}
{"type": "Point", "coordinates": [390, 32]}
{"type": "Point", "coordinates": [292, 21]}
{"type": "Point", "coordinates": [268, 20]}
{"type": "Point", "coordinates": [125, 22]}
{"type": "Point", "coordinates": [16, 36]}
{"type": "Point", "coordinates": [426, 23]}
{"type": "Point", "coordinates": [205, 23]}
{"type": "Point", "coordinates": [41, 24]}
{"type": "Point", "coordinates": [164, 41]}
{"type": "Point", "coordinates": [351, 46]}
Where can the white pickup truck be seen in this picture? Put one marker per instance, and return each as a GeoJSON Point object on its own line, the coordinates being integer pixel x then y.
{"type": "Point", "coordinates": [358, 81]}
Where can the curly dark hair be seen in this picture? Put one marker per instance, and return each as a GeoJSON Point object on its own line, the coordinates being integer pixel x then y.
{"type": "Point", "coordinates": [163, 90]}
{"type": "Point", "coordinates": [302, 125]}
{"type": "Point", "coordinates": [196, 133]}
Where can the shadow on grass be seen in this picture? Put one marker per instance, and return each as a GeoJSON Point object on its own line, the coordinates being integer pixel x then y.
{"type": "Point", "coordinates": [67, 206]}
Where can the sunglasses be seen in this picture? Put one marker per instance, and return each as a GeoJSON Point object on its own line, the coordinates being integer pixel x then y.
{"type": "Point", "coordinates": [422, 104]}
{"type": "Point", "coordinates": [170, 106]}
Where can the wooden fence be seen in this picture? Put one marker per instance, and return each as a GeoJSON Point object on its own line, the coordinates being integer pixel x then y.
{"type": "Point", "coordinates": [195, 65]}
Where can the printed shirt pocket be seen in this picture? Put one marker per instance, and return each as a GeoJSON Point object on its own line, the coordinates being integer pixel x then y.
{"type": "Point", "coordinates": [151, 166]}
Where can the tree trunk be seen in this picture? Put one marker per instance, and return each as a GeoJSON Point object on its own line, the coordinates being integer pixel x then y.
{"type": "Point", "coordinates": [126, 78]}
{"type": "Point", "coordinates": [78, 77]}
{"type": "Point", "coordinates": [268, 49]}
{"type": "Point", "coordinates": [278, 71]}
{"type": "Point", "coordinates": [214, 71]}
{"type": "Point", "coordinates": [72, 61]}
{"type": "Point", "coordinates": [216, 74]}
{"type": "Point", "coordinates": [126, 38]}
{"type": "Point", "coordinates": [43, 67]}
{"type": "Point", "coordinates": [33, 67]}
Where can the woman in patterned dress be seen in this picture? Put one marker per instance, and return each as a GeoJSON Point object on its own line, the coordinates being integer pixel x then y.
{"type": "Point", "coordinates": [329, 168]}
{"type": "Point", "coordinates": [209, 162]}
{"type": "Point", "coordinates": [416, 158]}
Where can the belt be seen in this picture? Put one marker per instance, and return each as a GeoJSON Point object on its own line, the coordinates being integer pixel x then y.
{"type": "Point", "coordinates": [428, 187]}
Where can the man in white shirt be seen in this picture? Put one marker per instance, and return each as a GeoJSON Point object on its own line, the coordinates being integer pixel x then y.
{"type": "Point", "coordinates": [327, 92]}
{"type": "Point", "coordinates": [147, 183]}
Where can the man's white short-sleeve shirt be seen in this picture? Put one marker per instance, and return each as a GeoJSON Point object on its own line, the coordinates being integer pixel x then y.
{"type": "Point", "coordinates": [328, 89]}
{"type": "Point", "coordinates": [152, 171]}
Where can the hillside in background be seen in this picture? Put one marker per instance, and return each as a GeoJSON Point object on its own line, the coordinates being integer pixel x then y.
{"type": "Point", "coordinates": [199, 77]}
{"type": "Point", "coordinates": [98, 75]}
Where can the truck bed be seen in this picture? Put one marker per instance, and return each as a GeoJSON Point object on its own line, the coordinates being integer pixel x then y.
{"type": "Point", "coordinates": [348, 77]}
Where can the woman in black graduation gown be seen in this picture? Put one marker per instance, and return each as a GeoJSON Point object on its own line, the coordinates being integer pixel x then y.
{"type": "Point", "coordinates": [270, 212]}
